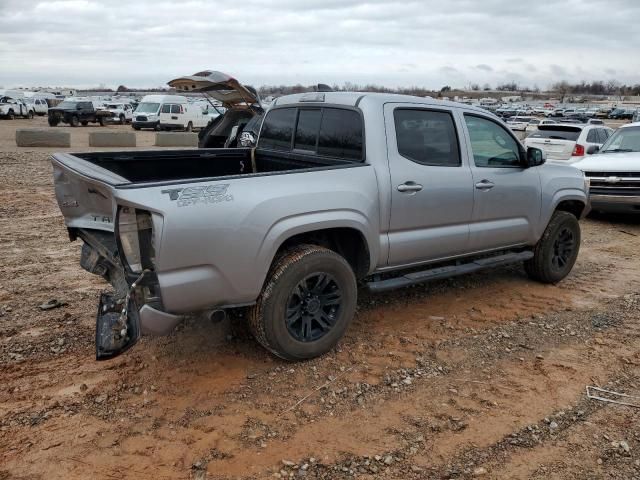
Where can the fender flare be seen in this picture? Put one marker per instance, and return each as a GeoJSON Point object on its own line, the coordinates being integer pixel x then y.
{"type": "Point", "coordinates": [288, 227]}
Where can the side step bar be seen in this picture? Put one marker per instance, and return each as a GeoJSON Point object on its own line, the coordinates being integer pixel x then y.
{"type": "Point", "coordinates": [448, 271]}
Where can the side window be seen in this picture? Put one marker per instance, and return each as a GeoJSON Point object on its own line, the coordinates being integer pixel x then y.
{"type": "Point", "coordinates": [86, 105]}
{"type": "Point", "coordinates": [166, 108]}
{"type": "Point", "coordinates": [277, 129]}
{"type": "Point", "coordinates": [491, 144]}
{"type": "Point", "coordinates": [307, 129]}
{"type": "Point", "coordinates": [604, 135]}
{"type": "Point", "coordinates": [427, 137]}
{"type": "Point", "coordinates": [340, 134]}
{"type": "Point", "coordinates": [592, 136]}
{"type": "Point", "coordinates": [176, 109]}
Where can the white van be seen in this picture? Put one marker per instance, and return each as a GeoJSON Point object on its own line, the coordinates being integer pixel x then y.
{"type": "Point", "coordinates": [182, 116]}
{"type": "Point", "coordinates": [168, 112]}
{"type": "Point", "coordinates": [147, 113]}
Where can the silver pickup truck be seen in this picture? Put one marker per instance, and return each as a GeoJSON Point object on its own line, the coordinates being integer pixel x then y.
{"type": "Point", "coordinates": [385, 189]}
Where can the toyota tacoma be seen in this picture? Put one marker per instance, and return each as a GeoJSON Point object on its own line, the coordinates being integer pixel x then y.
{"type": "Point", "coordinates": [386, 190]}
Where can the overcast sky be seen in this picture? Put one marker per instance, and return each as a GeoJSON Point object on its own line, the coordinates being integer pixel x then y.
{"type": "Point", "coordinates": [143, 43]}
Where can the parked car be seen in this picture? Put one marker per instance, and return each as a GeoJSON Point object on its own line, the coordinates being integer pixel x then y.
{"type": "Point", "coordinates": [603, 112]}
{"type": "Point", "coordinates": [147, 113]}
{"type": "Point", "coordinates": [39, 105]}
{"type": "Point", "coordinates": [519, 123]}
{"type": "Point", "coordinates": [77, 112]}
{"type": "Point", "coordinates": [241, 104]}
{"type": "Point", "coordinates": [15, 107]}
{"type": "Point", "coordinates": [536, 122]}
{"type": "Point", "coordinates": [556, 113]}
{"type": "Point", "coordinates": [121, 113]}
{"type": "Point", "coordinates": [636, 116]}
{"type": "Point", "coordinates": [287, 229]}
{"type": "Point", "coordinates": [622, 114]}
{"type": "Point", "coordinates": [567, 142]}
{"type": "Point", "coordinates": [613, 172]}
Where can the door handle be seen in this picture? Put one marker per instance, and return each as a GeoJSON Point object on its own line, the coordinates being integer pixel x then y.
{"type": "Point", "coordinates": [485, 185]}
{"type": "Point", "coordinates": [409, 187]}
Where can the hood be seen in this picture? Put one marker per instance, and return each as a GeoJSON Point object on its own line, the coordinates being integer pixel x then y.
{"type": "Point", "coordinates": [610, 162]}
{"type": "Point", "coordinates": [219, 86]}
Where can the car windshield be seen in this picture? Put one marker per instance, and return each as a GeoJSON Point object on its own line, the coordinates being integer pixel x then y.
{"type": "Point", "coordinates": [68, 104]}
{"type": "Point", "coordinates": [147, 108]}
{"type": "Point", "coordinates": [624, 140]}
{"type": "Point", "coordinates": [114, 106]}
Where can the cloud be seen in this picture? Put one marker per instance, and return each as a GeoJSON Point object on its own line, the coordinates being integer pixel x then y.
{"type": "Point", "coordinates": [145, 42]}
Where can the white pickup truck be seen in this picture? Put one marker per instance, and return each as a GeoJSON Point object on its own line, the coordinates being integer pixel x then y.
{"type": "Point", "coordinates": [121, 113]}
{"type": "Point", "coordinates": [15, 107]}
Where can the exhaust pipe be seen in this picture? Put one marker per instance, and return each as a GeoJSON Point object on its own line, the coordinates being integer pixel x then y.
{"type": "Point", "coordinates": [217, 316]}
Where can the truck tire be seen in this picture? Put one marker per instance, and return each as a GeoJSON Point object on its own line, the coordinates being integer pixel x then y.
{"type": "Point", "coordinates": [53, 121]}
{"type": "Point", "coordinates": [189, 127]}
{"type": "Point", "coordinates": [123, 120]}
{"type": "Point", "coordinates": [556, 252]}
{"type": "Point", "coordinates": [11, 115]}
{"type": "Point", "coordinates": [75, 121]}
{"type": "Point", "coordinates": [102, 121]}
{"type": "Point", "coordinates": [306, 304]}
{"type": "Point", "coordinates": [30, 114]}
{"type": "Point", "coordinates": [84, 123]}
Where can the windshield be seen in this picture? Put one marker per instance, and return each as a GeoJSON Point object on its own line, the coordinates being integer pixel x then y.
{"type": "Point", "coordinates": [623, 140]}
{"type": "Point", "coordinates": [148, 108]}
{"type": "Point", "coordinates": [114, 106]}
{"type": "Point", "coordinates": [67, 104]}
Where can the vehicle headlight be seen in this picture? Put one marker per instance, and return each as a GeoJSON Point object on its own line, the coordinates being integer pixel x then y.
{"type": "Point", "coordinates": [136, 239]}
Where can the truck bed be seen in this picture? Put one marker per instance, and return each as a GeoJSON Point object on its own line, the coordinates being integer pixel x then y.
{"type": "Point", "coordinates": [176, 165]}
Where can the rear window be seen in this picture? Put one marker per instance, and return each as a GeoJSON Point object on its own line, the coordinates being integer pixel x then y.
{"type": "Point", "coordinates": [553, 132]}
{"type": "Point", "coordinates": [277, 129]}
{"type": "Point", "coordinates": [340, 134]}
{"type": "Point", "coordinates": [332, 132]}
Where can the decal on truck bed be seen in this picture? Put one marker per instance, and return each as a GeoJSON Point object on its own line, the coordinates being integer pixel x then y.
{"type": "Point", "coordinates": [185, 197]}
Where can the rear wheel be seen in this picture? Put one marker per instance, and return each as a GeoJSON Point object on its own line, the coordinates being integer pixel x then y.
{"type": "Point", "coordinates": [102, 121]}
{"type": "Point", "coordinates": [30, 114]}
{"type": "Point", "coordinates": [122, 120]}
{"type": "Point", "coordinates": [84, 123]}
{"type": "Point", "coordinates": [556, 252]}
{"type": "Point", "coordinates": [11, 115]}
{"type": "Point", "coordinates": [189, 127]}
{"type": "Point", "coordinates": [53, 121]}
{"type": "Point", "coordinates": [75, 121]}
{"type": "Point", "coordinates": [306, 305]}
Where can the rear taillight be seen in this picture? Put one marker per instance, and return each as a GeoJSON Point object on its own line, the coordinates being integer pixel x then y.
{"type": "Point", "coordinates": [135, 235]}
{"type": "Point", "coordinates": [578, 151]}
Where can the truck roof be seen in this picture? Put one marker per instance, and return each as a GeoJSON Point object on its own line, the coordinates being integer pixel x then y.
{"type": "Point", "coordinates": [164, 99]}
{"type": "Point", "coordinates": [355, 98]}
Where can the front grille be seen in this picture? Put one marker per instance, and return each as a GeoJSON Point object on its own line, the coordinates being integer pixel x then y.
{"type": "Point", "coordinates": [141, 119]}
{"type": "Point", "coordinates": [616, 191]}
{"type": "Point", "coordinates": [613, 174]}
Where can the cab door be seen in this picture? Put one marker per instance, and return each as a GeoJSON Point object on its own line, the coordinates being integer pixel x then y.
{"type": "Point", "coordinates": [507, 196]}
{"type": "Point", "coordinates": [431, 184]}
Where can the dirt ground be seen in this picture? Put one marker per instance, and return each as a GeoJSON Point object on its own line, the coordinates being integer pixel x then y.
{"type": "Point", "coordinates": [482, 376]}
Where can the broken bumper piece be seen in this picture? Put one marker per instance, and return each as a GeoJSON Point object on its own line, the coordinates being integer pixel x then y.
{"type": "Point", "coordinates": [119, 326]}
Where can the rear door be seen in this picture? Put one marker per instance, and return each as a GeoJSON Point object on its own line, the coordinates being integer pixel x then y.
{"type": "Point", "coordinates": [431, 184]}
{"type": "Point", "coordinates": [507, 197]}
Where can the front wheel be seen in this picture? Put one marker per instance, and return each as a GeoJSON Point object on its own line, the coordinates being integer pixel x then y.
{"type": "Point", "coordinates": [102, 121]}
{"type": "Point", "coordinates": [11, 115]}
{"type": "Point", "coordinates": [30, 114]}
{"type": "Point", "coordinates": [306, 305]}
{"type": "Point", "coordinates": [122, 120]}
{"type": "Point", "coordinates": [189, 127]}
{"type": "Point", "coordinates": [53, 121]}
{"type": "Point", "coordinates": [556, 252]}
{"type": "Point", "coordinates": [75, 121]}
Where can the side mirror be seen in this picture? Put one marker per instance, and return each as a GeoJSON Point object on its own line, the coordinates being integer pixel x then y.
{"type": "Point", "coordinates": [535, 157]}
{"type": "Point", "coordinates": [593, 149]}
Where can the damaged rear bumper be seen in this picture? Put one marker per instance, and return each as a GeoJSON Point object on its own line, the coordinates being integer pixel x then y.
{"type": "Point", "coordinates": [135, 308]}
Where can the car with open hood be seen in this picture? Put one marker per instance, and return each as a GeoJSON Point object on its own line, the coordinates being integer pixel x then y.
{"type": "Point", "coordinates": [241, 104]}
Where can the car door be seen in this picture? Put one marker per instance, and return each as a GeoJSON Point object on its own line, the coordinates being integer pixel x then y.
{"type": "Point", "coordinates": [507, 196]}
{"type": "Point", "coordinates": [165, 114]}
{"type": "Point", "coordinates": [431, 184]}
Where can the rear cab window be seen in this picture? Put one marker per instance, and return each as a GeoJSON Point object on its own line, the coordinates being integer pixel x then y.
{"type": "Point", "coordinates": [325, 131]}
